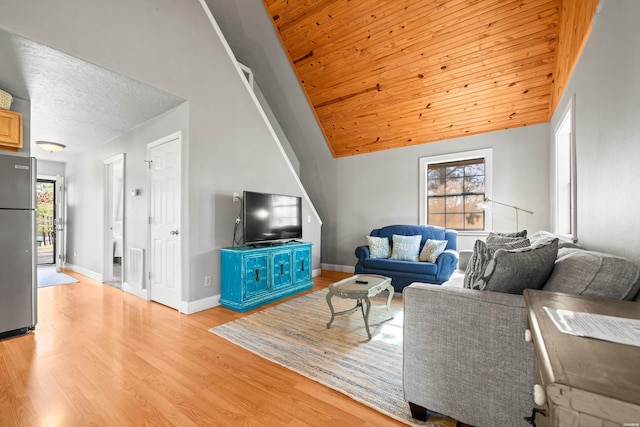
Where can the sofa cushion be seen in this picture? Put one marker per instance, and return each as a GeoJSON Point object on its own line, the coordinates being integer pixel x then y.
{"type": "Point", "coordinates": [513, 271]}
{"type": "Point", "coordinates": [593, 274]}
{"type": "Point", "coordinates": [522, 233]}
{"type": "Point", "coordinates": [494, 239]}
{"type": "Point", "coordinates": [401, 266]}
{"type": "Point", "coordinates": [432, 250]}
{"type": "Point", "coordinates": [563, 241]}
{"type": "Point", "coordinates": [482, 253]}
{"type": "Point", "coordinates": [509, 244]}
{"type": "Point", "coordinates": [477, 263]}
{"type": "Point", "coordinates": [405, 247]}
{"type": "Point", "coordinates": [378, 247]}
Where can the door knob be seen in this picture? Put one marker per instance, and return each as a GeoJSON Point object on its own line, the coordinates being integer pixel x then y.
{"type": "Point", "coordinates": [174, 232]}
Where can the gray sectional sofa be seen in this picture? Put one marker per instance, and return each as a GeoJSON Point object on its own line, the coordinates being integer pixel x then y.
{"type": "Point", "coordinates": [464, 350]}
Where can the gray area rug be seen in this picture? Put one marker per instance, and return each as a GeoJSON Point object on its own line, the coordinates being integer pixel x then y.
{"type": "Point", "coordinates": [47, 276]}
{"type": "Point", "coordinates": [294, 335]}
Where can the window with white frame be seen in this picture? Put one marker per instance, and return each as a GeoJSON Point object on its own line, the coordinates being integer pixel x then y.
{"type": "Point", "coordinates": [453, 188]}
{"type": "Point", "coordinates": [565, 185]}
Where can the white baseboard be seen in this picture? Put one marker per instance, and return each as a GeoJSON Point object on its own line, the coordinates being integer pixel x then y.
{"type": "Point", "coordinates": [340, 268]}
{"type": "Point", "coordinates": [316, 272]}
{"type": "Point", "coordinates": [84, 271]}
{"type": "Point", "coordinates": [199, 305]}
{"type": "Point", "coordinates": [141, 293]}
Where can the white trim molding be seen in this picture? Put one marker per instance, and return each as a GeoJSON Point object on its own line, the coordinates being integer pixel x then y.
{"type": "Point", "coordinates": [84, 271]}
{"type": "Point", "coordinates": [339, 268]}
{"type": "Point", "coordinates": [134, 290]}
{"type": "Point", "coordinates": [190, 307]}
{"type": "Point", "coordinates": [241, 72]}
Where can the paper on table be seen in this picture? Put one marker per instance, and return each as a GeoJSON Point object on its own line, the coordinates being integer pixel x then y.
{"type": "Point", "coordinates": [608, 328]}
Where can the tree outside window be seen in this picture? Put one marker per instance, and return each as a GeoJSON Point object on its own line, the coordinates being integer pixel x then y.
{"type": "Point", "coordinates": [454, 192]}
{"type": "Point", "coordinates": [45, 217]}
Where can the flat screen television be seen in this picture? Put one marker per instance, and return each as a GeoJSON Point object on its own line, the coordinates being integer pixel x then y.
{"type": "Point", "coordinates": [271, 217]}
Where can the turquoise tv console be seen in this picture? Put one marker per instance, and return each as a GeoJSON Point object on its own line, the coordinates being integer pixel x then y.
{"type": "Point", "coordinates": [255, 275]}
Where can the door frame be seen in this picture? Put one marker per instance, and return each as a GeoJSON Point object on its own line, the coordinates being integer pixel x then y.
{"type": "Point", "coordinates": [107, 215]}
{"type": "Point", "coordinates": [57, 217]}
{"type": "Point", "coordinates": [149, 254]}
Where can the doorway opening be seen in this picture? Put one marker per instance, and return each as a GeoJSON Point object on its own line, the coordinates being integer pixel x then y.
{"type": "Point", "coordinates": [114, 221]}
{"type": "Point", "coordinates": [45, 222]}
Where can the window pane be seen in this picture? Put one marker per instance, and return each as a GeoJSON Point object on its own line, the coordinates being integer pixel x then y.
{"type": "Point", "coordinates": [462, 183]}
{"type": "Point", "coordinates": [435, 187]}
{"type": "Point", "coordinates": [455, 171]}
{"type": "Point", "coordinates": [563, 177]}
{"type": "Point", "coordinates": [455, 204]}
{"type": "Point", "coordinates": [455, 221]}
{"type": "Point", "coordinates": [474, 184]}
{"type": "Point", "coordinates": [436, 205]}
{"type": "Point", "coordinates": [474, 221]}
{"type": "Point", "coordinates": [435, 172]}
{"type": "Point", "coordinates": [471, 203]}
{"type": "Point", "coordinates": [454, 186]}
{"type": "Point", "coordinates": [474, 169]}
{"type": "Point", "coordinates": [436, 219]}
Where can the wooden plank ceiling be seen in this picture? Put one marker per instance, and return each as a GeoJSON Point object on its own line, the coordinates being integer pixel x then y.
{"type": "Point", "coordinates": [387, 74]}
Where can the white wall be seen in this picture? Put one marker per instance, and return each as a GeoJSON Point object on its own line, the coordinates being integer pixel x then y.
{"type": "Point", "coordinates": [173, 46]}
{"type": "Point", "coordinates": [85, 190]}
{"type": "Point", "coordinates": [360, 193]}
{"type": "Point", "coordinates": [607, 91]}
{"type": "Point", "coordinates": [286, 145]}
{"type": "Point", "coordinates": [50, 168]}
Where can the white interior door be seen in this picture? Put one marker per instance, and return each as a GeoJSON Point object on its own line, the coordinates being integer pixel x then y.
{"type": "Point", "coordinates": [164, 220]}
{"type": "Point", "coordinates": [59, 223]}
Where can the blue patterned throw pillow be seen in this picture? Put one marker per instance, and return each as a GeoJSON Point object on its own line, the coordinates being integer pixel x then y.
{"type": "Point", "coordinates": [432, 250]}
{"type": "Point", "coordinates": [378, 247]}
{"type": "Point", "coordinates": [406, 247]}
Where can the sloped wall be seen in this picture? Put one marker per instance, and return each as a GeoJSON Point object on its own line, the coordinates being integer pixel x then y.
{"type": "Point", "coordinates": [173, 46]}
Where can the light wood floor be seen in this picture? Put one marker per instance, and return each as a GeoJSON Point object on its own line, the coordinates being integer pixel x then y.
{"type": "Point", "coordinates": [100, 356]}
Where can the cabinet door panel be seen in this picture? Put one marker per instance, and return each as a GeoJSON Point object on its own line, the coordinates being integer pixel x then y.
{"type": "Point", "coordinates": [281, 269]}
{"type": "Point", "coordinates": [255, 275]}
{"type": "Point", "coordinates": [302, 265]}
{"type": "Point", "coordinates": [10, 130]}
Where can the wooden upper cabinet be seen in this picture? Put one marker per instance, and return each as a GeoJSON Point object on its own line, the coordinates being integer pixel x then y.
{"type": "Point", "coordinates": [10, 130]}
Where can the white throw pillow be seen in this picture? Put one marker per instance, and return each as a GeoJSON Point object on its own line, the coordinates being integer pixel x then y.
{"type": "Point", "coordinates": [406, 247]}
{"type": "Point", "coordinates": [378, 247]}
{"type": "Point", "coordinates": [432, 250]}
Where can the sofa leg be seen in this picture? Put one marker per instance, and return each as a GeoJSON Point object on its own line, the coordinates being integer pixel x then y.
{"type": "Point", "coordinates": [418, 412]}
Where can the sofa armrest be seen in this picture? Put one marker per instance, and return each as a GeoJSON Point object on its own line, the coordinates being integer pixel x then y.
{"type": "Point", "coordinates": [362, 252]}
{"type": "Point", "coordinates": [465, 354]}
{"type": "Point", "coordinates": [465, 256]}
{"type": "Point", "coordinates": [447, 263]}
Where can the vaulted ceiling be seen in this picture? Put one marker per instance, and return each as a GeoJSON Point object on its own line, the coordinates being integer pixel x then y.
{"type": "Point", "coordinates": [387, 74]}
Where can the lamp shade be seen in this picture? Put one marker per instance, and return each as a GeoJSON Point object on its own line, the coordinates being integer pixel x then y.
{"type": "Point", "coordinates": [51, 147]}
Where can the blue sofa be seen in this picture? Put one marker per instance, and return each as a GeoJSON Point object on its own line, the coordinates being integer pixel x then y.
{"type": "Point", "coordinates": [403, 273]}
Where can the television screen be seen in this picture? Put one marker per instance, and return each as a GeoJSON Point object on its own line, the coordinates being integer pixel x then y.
{"type": "Point", "coordinates": [271, 217]}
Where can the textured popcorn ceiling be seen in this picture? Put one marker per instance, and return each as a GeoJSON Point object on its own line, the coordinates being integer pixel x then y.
{"type": "Point", "coordinates": [74, 102]}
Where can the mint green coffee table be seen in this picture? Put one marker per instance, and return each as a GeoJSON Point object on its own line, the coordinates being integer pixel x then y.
{"type": "Point", "coordinates": [350, 288]}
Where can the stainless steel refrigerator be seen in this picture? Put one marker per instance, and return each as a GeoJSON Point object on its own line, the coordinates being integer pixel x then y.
{"type": "Point", "coordinates": [18, 285]}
